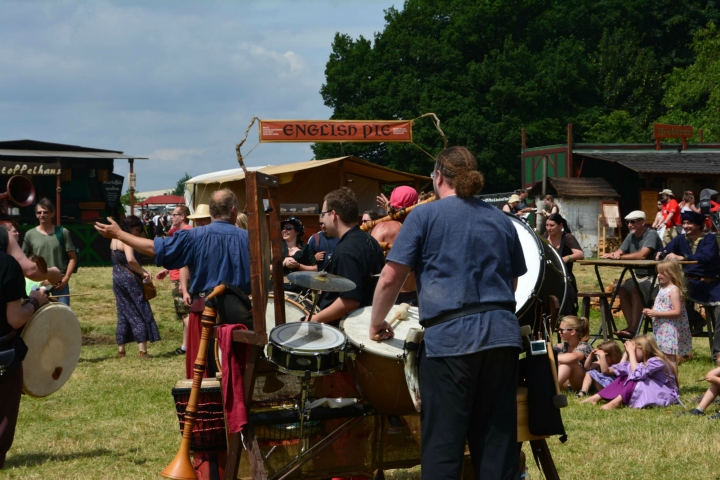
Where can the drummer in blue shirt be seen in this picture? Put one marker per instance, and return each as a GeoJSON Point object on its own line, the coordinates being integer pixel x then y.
{"type": "Point", "coordinates": [703, 278]}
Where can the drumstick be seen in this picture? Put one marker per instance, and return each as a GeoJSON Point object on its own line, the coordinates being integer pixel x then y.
{"type": "Point", "coordinates": [400, 314]}
{"type": "Point", "coordinates": [71, 295]}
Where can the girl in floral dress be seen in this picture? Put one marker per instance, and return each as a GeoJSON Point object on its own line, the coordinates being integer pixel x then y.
{"type": "Point", "coordinates": [671, 327]}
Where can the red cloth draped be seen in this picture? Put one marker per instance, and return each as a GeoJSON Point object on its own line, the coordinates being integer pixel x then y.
{"type": "Point", "coordinates": [234, 357]}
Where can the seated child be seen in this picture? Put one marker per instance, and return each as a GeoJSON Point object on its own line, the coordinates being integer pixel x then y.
{"type": "Point", "coordinates": [647, 379]}
{"type": "Point", "coordinates": [574, 332]}
{"type": "Point", "coordinates": [603, 357]}
{"type": "Point", "coordinates": [713, 376]}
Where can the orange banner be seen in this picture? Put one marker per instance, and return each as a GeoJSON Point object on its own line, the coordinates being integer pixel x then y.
{"type": "Point", "coordinates": [324, 131]}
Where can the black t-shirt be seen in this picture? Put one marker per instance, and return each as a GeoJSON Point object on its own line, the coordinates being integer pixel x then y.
{"type": "Point", "coordinates": [357, 257]}
{"type": "Point", "coordinates": [304, 257]}
{"type": "Point", "coordinates": [12, 287]}
{"type": "Point", "coordinates": [568, 243]}
{"type": "Point", "coordinates": [4, 240]}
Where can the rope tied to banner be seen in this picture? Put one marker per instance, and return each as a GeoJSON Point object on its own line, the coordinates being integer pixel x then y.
{"type": "Point", "coordinates": [436, 122]}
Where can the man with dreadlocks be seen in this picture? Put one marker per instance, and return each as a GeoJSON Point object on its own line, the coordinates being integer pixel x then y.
{"type": "Point", "coordinates": [467, 257]}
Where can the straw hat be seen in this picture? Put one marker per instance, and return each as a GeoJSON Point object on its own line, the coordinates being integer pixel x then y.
{"type": "Point", "coordinates": [514, 198]}
{"type": "Point", "coordinates": [202, 211]}
{"type": "Point", "coordinates": [667, 191]}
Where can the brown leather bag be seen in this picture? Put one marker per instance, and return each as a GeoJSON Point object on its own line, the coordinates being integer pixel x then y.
{"type": "Point", "coordinates": [149, 289]}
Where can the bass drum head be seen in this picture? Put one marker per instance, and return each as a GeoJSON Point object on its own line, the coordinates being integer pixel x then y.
{"type": "Point", "coordinates": [53, 338]}
{"type": "Point", "coordinates": [528, 284]}
{"type": "Point", "coordinates": [357, 328]}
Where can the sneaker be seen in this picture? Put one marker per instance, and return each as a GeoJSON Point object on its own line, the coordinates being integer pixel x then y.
{"type": "Point", "coordinates": [715, 417]}
{"type": "Point", "coordinates": [696, 412]}
{"type": "Point", "coordinates": [179, 351]}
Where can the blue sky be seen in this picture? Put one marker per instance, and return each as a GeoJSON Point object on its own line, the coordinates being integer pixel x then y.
{"type": "Point", "coordinates": [176, 81]}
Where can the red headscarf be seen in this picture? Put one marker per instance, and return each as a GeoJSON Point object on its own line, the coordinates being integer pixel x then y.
{"type": "Point", "coordinates": [403, 197]}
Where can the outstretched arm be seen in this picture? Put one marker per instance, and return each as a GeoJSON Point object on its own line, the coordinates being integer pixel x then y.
{"type": "Point", "coordinates": [142, 245]}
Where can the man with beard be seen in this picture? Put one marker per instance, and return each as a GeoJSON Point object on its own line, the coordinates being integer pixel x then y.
{"type": "Point", "coordinates": [703, 278]}
{"type": "Point", "coordinates": [357, 257]}
{"type": "Point", "coordinates": [641, 244]}
{"type": "Point", "coordinates": [671, 215]}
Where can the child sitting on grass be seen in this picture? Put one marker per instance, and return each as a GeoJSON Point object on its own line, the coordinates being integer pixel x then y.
{"type": "Point", "coordinates": [603, 357]}
{"type": "Point", "coordinates": [647, 379]}
{"type": "Point", "coordinates": [573, 351]}
{"type": "Point", "coordinates": [713, 376]}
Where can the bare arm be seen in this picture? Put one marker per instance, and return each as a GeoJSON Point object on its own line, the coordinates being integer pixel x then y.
{"type": "Point", "coordinates": [643, 254]}
{"type": "Point", "coordinates": [19, 314]}
{"type": "Point", "coordinates": [185, 285]}
{"type": "Point", "coordinates": [30, 270]}
{"type": "Point", "coordinates": [391, 280]}
{"type": "Point", "coordinates": [336, 310]}
{"type": "Point", "coordinates": [576, 255]}
{"type": "Point", "coordinates": [112, 230]}
{"type": "Point", "coordinates": [134, 264]}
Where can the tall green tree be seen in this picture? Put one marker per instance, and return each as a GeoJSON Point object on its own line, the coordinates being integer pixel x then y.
{"type": "Point", "coordinates": [693, 93]}
{"type": "Point", "coordinates": [180, 185]}
{"type": "Point", "coordinates": [488, 69]}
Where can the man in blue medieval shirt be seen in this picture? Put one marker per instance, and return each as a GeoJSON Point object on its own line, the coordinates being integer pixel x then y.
{"type": "Point", "coordinates": [214, 254]}
{"type": "Point", "coordinates": [703, 278]}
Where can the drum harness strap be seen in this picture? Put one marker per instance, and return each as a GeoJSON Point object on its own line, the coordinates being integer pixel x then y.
{"type": "Point", "coordinates": [484, 307]}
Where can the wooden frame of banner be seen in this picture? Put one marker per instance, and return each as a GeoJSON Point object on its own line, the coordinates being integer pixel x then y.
{"type": "Point", "coordinates": [265, 248]}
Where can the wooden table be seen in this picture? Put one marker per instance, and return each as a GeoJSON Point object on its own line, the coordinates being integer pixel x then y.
{"type": "Point", "coordinates": [631, 266]}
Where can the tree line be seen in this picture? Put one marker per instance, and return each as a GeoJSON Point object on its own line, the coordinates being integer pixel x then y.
{"type": "Point", "coordinates": [612, 68]}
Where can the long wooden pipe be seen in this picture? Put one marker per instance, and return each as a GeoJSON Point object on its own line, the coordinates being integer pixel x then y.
{"type": "Point", "coordinates": [393, 216]}
{"type": "Point", "coordinates": [181, 467]}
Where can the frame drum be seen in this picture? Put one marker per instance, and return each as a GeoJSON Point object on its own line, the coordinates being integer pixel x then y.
{"type": "Point", "coordinates": [378, 369]}
{"type": "Point", "coordinates": [546, 273]}
{"type": "Point", "coordinates": [53, 338]}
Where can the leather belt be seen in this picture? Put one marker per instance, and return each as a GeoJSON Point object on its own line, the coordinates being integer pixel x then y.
{"type": "Point", "coordinates": [484, 307]}
{"type": "Point", "coordinates": [702, 279]}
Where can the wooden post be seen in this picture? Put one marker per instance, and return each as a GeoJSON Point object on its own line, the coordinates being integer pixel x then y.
{"type": "Point", "coordinates": [58, 189]}
{"type": "Point", "coordinates": [132, 188]}
{"type": "Point", "coordinates": [524, 139]}
{"type": "Point", "coordinates": [569, 159]}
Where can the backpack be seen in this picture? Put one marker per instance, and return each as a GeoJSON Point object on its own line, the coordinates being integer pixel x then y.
{"type": "Point", "coordinates": [61, 241]}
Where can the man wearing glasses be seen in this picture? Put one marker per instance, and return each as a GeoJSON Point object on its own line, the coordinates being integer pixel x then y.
{"type": "Point", "coordinates": [358, 257]}
{"type": "Point", "coordinates": [641, 244]}
{"type": "Point", "coordinates": [54, 244]}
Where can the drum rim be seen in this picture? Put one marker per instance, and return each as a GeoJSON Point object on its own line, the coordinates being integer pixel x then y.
{"type": "Point", "coordinates": [363, 346]}
{"type": "Point", "coordinates": [541, 253]}
{"type": "Point", "coordinates": [564, 271]}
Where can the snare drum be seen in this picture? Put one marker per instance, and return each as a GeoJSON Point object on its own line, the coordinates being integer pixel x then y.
{"type": "Point", "coordinates": [294, 311]}
{"type": "Point", "coordinates": [378, 368]}
{"type": "Point", "coordinates": [546, 273]}
{"type": "Point", "coordinates": [209, 432]}
{"type": "Point", "coordinates": [53, 338]}
{"type": "Point", "coordinates": [307, 346]}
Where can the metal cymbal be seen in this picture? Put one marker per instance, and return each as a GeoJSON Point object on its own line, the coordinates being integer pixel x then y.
{"type": "Point", "coordinates": [324, 282]}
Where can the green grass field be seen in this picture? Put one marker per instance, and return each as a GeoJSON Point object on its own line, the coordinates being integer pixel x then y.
{"type": "Point", "coordinates": [115, 419]}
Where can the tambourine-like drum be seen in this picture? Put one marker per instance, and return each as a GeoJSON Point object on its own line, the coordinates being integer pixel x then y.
{"type": "Point", "coordinates": [209, 431]}
{"type": "Point", "coordinates": [546, 273]}
{"type": "Point", "coordinates": [378, 367]}
{"type": "Point", "coordinates": [53, 338]}
{"type": "Point", "coordinates": [307, 346]}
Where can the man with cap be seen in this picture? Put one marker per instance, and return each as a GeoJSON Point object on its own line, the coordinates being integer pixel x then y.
{"type": "Point", "coordinates": [641, 244]}
{"type": "Point", "coordinates": [387, 232]}
{"type": "Point", "coordinates": [671, 215]}
{"type": "Point", "coordinates": [703, 278]}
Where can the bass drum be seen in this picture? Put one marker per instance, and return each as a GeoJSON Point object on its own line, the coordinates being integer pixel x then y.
{"type": "Point", "coordinates": [53, 338]}
{"type": "Point", "coordinates": [546, 274]}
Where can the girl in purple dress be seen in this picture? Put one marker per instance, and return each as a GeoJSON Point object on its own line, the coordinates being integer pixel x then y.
{"type": "Point", "coordinates": [647, 379]}
{"type": "Point", "coordinates": [603, 357]}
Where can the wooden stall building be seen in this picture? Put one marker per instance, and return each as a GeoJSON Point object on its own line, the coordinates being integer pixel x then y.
{"type": "Point", "coordinates": [78, 180]}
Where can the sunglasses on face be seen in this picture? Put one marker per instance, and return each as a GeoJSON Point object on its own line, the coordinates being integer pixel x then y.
{"type": "Point", "coordinates": [41, 212]}
{"type": "Point", "coordinates": [288, 228]}
{"type": "Point", "coordinates": [631, 222]}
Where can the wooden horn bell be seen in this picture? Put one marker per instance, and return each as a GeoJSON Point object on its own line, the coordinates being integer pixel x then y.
{"type": "Point", "coordinates": [20, 191]}
{"type": "Point", "coordinates": [181, 467]}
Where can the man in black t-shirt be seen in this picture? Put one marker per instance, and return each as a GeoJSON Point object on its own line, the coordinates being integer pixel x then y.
{"type": "Point", "coordinates": [358, 257]}
{"type": "Point", "coordinates": [14, 313]}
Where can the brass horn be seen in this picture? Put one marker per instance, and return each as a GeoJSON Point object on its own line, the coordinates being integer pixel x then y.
{"type": "Point", "coordinates": [20, 191]}
{"type": "Point", "coordinates": [181, 467]}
